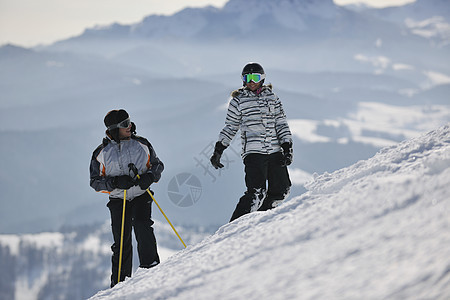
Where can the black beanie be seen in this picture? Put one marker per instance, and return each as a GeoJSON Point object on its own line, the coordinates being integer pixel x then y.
{"type": "Point", "coordinates": [115, 117]}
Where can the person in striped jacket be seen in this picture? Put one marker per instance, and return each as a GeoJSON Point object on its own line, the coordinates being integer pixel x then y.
{"type": "Point", "coordinates": [266, 139]}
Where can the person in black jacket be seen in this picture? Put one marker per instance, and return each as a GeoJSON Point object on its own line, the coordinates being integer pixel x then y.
{"type": "Point", "coordinates": [111, 172]}
{"type": "Point", "coordinates": [266, 139]}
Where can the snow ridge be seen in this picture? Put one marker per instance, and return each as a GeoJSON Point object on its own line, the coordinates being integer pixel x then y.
{"type": "Point", "coordinates": [378, 229]}
{"type": "Point", "coordinates": [405, 155]}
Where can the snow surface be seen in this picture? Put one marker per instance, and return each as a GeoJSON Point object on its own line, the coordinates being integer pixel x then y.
{"type": "Point", "coordinates": [379, 229]}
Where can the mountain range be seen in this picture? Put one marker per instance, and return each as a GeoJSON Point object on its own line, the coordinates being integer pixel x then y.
{"type": "Point", "coordinates": [351, 83]}
{"type": "Point", "coordinates": [249, 20]}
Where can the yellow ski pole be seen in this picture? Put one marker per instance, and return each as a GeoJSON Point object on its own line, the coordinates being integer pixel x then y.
{"type": "Point", "coordinates": [134, 169]}
{"type": "Point", "coordinates": [121, 233]}
{"type": "Point", "coordinates": [165, 216]}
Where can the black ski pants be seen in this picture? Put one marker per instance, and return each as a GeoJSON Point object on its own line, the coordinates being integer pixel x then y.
{"type": "Point", "coordinates": [137, 215]}
{"type": "Point", "coordinates": [262, 170]}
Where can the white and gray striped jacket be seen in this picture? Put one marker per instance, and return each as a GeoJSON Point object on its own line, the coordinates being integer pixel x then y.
{"type": "Point", "coordinates": [261, 119]}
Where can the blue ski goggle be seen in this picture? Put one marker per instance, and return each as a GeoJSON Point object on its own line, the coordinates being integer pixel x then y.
{"type": "Point", "coordinates": [255, 77]}
{"type": "Point", "coordinates": [124, 124]}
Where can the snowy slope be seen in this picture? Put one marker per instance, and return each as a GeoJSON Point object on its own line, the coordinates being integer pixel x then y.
{"type": "Point", "coordinates": [379, 229]}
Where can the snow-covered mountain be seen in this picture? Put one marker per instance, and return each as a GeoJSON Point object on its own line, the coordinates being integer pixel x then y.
{"type": "Point", "coordinates": [290, 25]}
{"type": "Point", "coordinates": [418, 10]}
{"type": "Point", "coordinates": [425, 18]}
{"type": "Point", "coordinates": [249, 21]}
{"type": "Point", "coordinates": [237, 19]}
{"type": "Point", "coordinates": [378, 229]}
{"type": "Point", "coordinates": [241, 19]}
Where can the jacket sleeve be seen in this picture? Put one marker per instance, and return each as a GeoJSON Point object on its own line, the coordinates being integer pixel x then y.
{"type": "Point", "coordinates": [281, 125]}
{"type": "Point", "coordinates": [99, 182]}
{"type": "Point", "coordinates": [232, 123]}
{"type": "Point", "coordinates": [156, 165]}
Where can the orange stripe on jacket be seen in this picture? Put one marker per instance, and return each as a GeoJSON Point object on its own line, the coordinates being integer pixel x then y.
{"type": "Point", "coordinates": [149, 165]}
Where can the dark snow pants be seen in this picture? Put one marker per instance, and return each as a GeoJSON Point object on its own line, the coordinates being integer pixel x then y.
{"type": "Point", "coordinates": [137, 215]}
{"type": "Point", "coordinates": [259, 169]}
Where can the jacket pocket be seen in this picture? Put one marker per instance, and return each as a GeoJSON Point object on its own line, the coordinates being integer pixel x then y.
{"type": "Point", "coordinates": [244, 141]}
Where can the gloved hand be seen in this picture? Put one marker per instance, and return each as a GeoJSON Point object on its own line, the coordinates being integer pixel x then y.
{"type": "Point", "coordinates": [123, 182]}
{"type": "Point", "coordinates": [287, 154]}
{"type": "Point", "coordinates": [215, 158]}
{"type": "Point", "coordinates": [145, 180]}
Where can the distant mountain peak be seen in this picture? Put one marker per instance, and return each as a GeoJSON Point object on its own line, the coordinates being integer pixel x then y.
{"type": "Point", "coordinates": [10, 50]}
{"type": "Point", "coordinates": [301, 6]}
{"type": "Point", "coordinates": [236, 17]}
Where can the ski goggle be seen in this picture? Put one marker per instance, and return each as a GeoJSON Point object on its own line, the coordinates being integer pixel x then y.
{"type": "Point", "coordinates": [255, 77]}
{"type": "Point", "coordinates": [124, 124]}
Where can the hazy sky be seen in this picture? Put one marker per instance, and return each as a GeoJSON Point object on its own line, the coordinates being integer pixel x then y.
{"type": "Point", "coordinates": [28, 23]}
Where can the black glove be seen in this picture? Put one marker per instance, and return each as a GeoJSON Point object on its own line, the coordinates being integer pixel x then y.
{"type": "Point", "coordinates": [215, 158]}
{"type": "Point", "coordinates": [145, 180]}
{"type": "Point", "coordinates": [123, 182]}
{"type": "Point", "coordinates": [287, 154]}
